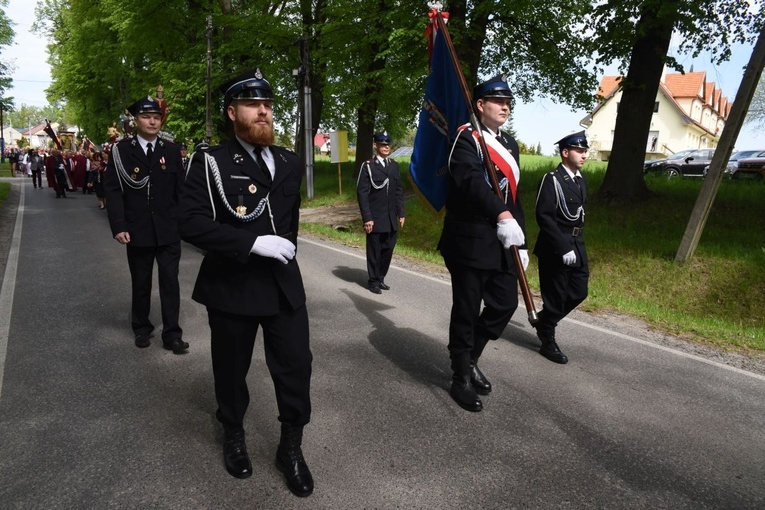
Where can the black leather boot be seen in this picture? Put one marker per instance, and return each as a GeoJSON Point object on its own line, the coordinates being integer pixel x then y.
{"type": "Point", "coordinates": [478, 380]}
{"type": "Point", "coordinates": [290, 461]}
{"type": "Point", "coordinates": [550, 349]}
{"type": "Point", "coordinates": [235, 455]}
{"type": "Point", "coordinates": [462, 390]}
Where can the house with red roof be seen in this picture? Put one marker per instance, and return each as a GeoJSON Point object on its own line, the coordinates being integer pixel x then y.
{"type": "Point", "coordinates": [689, 113]}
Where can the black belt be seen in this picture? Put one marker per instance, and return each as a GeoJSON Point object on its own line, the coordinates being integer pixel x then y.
{"type": "Point", "coordinates": [574, 231]}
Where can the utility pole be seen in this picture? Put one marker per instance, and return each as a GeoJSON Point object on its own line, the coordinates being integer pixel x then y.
{"type": "Point", "coordinates": [208, 94]}
{"type": "Point", "coordinates": [730, 132]}
{"type": "Point", "coordinates": [307, 136]}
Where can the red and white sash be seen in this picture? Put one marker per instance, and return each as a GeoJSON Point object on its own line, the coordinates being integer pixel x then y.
{"type": "Point", "coordinates": [500, 156]}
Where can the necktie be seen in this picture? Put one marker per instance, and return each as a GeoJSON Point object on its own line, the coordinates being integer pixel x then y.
{"type": "Point", "coordinates": [578, 181]}
{"type": "Point", "coordinates": [149, 151]}
{"type": "Point", "coordinates": [262, 163]}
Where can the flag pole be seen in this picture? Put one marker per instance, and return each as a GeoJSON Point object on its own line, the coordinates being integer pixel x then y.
{"type": "Point", "coordinates": [522, 280]}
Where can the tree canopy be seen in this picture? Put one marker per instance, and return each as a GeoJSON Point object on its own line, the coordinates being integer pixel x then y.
{"type": "Point", "coordinates": [6, 67]}
{"type": "Point", "coordinates": [366, 63]}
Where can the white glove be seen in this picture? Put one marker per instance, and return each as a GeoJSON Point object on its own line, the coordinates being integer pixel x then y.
{"type": "Point", "coordinates": [524, 258]}
{"type": "Point", "coordinates": [569, 258]}
{"type": "Point", "coordinates": [510, 233]}
{"type": "Point", "coordinates": [274, 247]}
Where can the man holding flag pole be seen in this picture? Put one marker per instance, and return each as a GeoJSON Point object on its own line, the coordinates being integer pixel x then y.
{"type": "Point", "coordinates": [484, 217]}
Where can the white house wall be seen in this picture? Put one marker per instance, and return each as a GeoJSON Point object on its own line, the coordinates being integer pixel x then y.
{"type": "Point", "coordinates": [669, 125]}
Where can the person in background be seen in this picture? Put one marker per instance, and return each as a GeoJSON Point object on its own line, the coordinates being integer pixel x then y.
{"type": "Point", "coordinates": [96, 174]}
{"type": "Point", "coordinates": [37, 165]}
{"type": "Point", "coordinates": [381, 201]}
{"type": "Point", "coordinates": [141, 186]}
{"type": "Point", "coordinates": [563, 266]}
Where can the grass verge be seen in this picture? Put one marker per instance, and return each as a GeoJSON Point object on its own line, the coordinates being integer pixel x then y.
{"type": "Point", "coordinates": [717, 298]}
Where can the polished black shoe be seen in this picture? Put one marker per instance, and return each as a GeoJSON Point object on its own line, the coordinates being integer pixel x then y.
{"type": "Point", "coordinates": [478, 380]}
{"type": "Point", "coordinates": [383, 286]}
{"type": "Point", "coordinates": [290, 461]}
{"type": "Point", "coordinates": [176, 345]}
{"type": "Point", "coordinates": [551, 351]}
{"type": "Point", "coordinates": [142, 340]}
{"type": "Point", "coordinates": [235, 456]}
{"type": "Point", "coordinates": [375, 289]}
{"type": "Point", "coordinates": [464, 394]}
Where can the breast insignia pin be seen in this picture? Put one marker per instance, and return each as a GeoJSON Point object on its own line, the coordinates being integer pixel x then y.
{"type": "Point", "coordinates": [241, 210]}
{"type": "Point", "coordinates": [253, 189]}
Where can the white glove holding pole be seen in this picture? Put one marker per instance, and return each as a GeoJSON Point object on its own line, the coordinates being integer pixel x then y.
{"type": "Point", "coordinates": [274, 247]}
{"type": "Point", "coordinates": [524, 258]}
{"type": "Point", "coordinates": [569, 258]}
{"type": "Point", "coordinates": [510, 233]}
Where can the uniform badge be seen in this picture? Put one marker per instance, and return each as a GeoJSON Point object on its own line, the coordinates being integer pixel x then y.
{"type": "Point", "coordinates": [253, 189]}
{"type": "Point", "coordinates": [238, 158]}
{"type": "Point", "coordinates": [162, 162]}
{"type": "Point", "coordinates": [241, 210]}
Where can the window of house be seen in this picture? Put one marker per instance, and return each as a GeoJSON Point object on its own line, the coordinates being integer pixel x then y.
{"type": "Point", "coordinates": [656, 107]}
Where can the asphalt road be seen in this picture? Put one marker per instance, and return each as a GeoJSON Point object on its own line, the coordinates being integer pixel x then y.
{"type": "Point", "coordinates": [87, 420]}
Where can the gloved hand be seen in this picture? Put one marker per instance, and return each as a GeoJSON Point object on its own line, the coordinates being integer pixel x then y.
{"type": "Point", "coordinates": [274, 247]}
{"type": "Point", "coordinates": [510, 233]}
{"type": "Point", "coordinates": [569, 258]}
{"type": "Point", "coordinates": [524, 258]}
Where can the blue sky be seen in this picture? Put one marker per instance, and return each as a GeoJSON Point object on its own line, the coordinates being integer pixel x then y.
{"type": "Point", "coordinates": [541, 121]}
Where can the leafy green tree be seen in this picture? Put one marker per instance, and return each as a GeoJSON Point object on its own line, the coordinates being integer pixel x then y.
{"type": "Point", "coordinates": [639, 32]}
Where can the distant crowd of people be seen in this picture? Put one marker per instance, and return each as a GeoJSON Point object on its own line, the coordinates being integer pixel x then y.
{"type": "Point", "coordinates": [65, 171]}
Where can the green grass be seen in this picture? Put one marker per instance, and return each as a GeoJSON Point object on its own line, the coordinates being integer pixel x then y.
{"type": "Point", "coordinates": [717, 298]}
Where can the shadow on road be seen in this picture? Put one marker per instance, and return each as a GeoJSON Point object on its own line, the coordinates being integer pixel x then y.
{"type": "Point", "coordinates": [423, 358]}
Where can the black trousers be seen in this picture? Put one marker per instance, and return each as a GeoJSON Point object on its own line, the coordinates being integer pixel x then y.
{"type": "Point", "coordinates": [141, 263]}
{"type": "Point", "coordinates": [288, 357]}
{"type": "Point", "coordinates": [37, 178]}
{"type": "Point", "coordinates": [61, 181]}
{"type": "Point", "coordinates": [379, 254]}
{"type": "Point", "coordinates": [498, 290]}
{"type": "Point", "coordinates": [563, 288]}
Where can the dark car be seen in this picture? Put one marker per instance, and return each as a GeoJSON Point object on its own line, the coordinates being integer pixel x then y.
{"type": "Point", "coordinates": [673, 165]}
{"type": "Point", "coordinates": [750, 168]}
{"type": "Point", "coordinates": [738, 155]}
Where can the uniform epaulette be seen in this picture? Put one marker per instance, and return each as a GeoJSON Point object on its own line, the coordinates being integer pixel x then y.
{"type": "Point", "coordinates": [205, 147]}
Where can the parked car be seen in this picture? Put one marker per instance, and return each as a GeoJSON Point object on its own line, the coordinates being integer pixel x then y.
{"type": "Point", "coordinates": [687, 163]}
{"type": "Point", "coordinates": [750, 168]}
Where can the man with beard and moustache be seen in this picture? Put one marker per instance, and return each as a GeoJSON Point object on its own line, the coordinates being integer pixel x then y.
{"type": "Point", "coordinates": [240, 204]}
{"type": "Point", "coordinates": [142, 182]}
{"type": "Point", "coordinates": [479, 227]}
{"type": "Point", "coordinates": [563, 267]}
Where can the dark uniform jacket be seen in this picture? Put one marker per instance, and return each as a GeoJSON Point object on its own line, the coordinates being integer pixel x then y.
{"type": "Point", "coordinates": [559, 231]}
{"type": "Point", "coordinates": [469, 236]}
{"type": "Point", "coordinates": [232, 279]}
{"type": "Point", "coordinates": [384, 206]}
{"type": "Point", "coordinates": [148, 214]}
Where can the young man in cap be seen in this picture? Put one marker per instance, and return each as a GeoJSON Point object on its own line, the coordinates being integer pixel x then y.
{"type": "Point", "coordinates": [141, 187]}
{"type": "Point", "coordinates": [479, 227]}
{"type": "Point", "coordinates": [563, 267]}
{"type": "Point", "coordinates": [381, 200]}
{"type": "Point", "coordinates": [240, 203]}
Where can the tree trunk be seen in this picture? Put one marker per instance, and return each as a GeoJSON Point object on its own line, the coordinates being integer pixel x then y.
{"type": "Point", "coordinates": [468, 35]}
{"type": "Point", "coordinates": [624, 181]}
{"type": "Point", "coordinates": [370, 98]}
